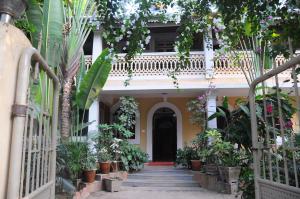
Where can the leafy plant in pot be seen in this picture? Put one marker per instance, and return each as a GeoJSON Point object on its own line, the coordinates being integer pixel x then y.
{"type": "Point", "coordinates": [89, 167]}
{"type": "Point", "coordinates": [229, 160]}
{"type": "Point", "coordinates": [199, 143]}
{"type": "Point", "coordinates": [213, 137]}
{"type": "Point", "coordinates": [104, 158]}
{"type": "Point", "coordinates": [115, 147]}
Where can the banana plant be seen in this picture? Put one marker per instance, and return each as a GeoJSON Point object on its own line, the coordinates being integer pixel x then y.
{"type": "Point", "coordinates": [94, 80]}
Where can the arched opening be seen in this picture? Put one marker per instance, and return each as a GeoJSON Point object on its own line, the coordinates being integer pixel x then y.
{"type": "Point", "coordinates": [164, 135]}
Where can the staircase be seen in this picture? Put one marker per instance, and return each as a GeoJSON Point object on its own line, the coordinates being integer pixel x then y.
{"type": "Point", "coordinates": [164, 178]}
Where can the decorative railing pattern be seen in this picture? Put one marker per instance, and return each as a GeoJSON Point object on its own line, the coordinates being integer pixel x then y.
{"type": "Point", "coordinates": [158, 64]}
{"type": "Point", "coordinates": [225, 64]}
{"type": "Point", "coordinates": [162, 64]}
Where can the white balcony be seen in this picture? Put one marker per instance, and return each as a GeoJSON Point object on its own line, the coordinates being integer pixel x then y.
{"type": "Point", "coordinates": [152, 71]}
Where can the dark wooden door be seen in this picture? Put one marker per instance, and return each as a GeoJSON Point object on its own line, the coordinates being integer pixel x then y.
{"type": "Point", "coordinates": [164, 135]}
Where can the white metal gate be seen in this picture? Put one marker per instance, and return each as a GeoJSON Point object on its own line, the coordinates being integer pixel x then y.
{"type": "Point", "coordinates": [33, 143]}
{"type": "Point", "coordinates": [276, 156]}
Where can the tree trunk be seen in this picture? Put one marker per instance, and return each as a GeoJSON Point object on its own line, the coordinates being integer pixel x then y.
{"type": "Point", "coordinates": [66, 109]}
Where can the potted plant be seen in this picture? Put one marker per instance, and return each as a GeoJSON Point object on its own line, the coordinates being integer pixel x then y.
{"type": "Point", "coordinates": [104, 158]}
{"type": "Point", "coordinates": [229, 159]}
{"type": "Point", "coordinates": [115, 147]}
{"type": "Point", "coordinates": [213, 138]}
{"type": "Point", "coordinates": [73, 153]}
{"type": "Point", "coordinates": [89, 167]}
{"type": "Point", "coordinates": [199, 143]}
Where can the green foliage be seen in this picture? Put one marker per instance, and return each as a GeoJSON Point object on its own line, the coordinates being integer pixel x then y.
{"type": "Point", "coordinates": [74, 155]}
{"type": "Point", "coordinates": [52, 26]}
{"type": "Point", "coordinates": [115, 129]}
{"type": "Point", "coordinates": [104, 154]}
{"type": "Point", "coordinates": [108, 147]}
{"type": "Point", "coordinates": [126, 114]}
{"type": "Point", "coordinates": [89, 162]}
{"type": "Point", "coordinates": [94, 80]}
{"type": "Point", "coordinates": [238, 124]}
{"type": "Point", "coordinates": [246, 183]}
{"type": "Point", "coordinates": [185, 155]}
{"type": "Point", "coordinates": [222, 152]}
{"type": "Point", "coordinates": [133, 157]}
{"type": "Point", "coordinates": [195, 151]}
{"type": "Point", "coordinates": [34, 14]}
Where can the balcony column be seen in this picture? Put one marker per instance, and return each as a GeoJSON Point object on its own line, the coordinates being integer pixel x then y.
{"type": "Point", "coordinates": [211, 107]}
{"type": "Point", "coordinates": [94, 111]}
{"type": "Point", "coordinates": [208, 54]}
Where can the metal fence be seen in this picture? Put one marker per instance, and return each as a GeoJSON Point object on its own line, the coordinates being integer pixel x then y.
{"type": "Point", "coordinates": [33, 145]}
{"type": "Point", "coordinates": [275, 120]}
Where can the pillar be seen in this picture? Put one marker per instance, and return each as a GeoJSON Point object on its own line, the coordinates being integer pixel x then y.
{"type": "Point", "coordinates": [211, 107]}
{"type": "Point", "coordinates": [208, 54]}
{"type": "Point", "coordinates": [94, 110]}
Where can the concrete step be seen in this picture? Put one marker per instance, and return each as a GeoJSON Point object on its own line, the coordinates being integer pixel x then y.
{"type": "Point", "coordinates": [157, 177]}
{"type": "Point", "coordinates": [165, 189]}
{"type": "Point", "coordinates": [160, 184]}
{"type": "Point", "coordinates": [164, 177]}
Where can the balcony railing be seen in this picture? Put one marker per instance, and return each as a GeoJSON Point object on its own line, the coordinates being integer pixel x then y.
{"type": "Point", "coordinates": [156, 64]}
{"type": "Point", "coordinates": [163, 63]}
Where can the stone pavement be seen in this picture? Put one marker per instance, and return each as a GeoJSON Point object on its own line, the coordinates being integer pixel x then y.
{"type": "Point", "coordinates": [161, 183]}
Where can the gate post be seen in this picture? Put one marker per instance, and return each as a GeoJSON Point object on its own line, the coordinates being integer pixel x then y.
{"type": "Point", "coordinates": [13, 42]}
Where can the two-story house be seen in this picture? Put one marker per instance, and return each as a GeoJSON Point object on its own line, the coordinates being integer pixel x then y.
{"type": "Point", "coordinates": [162, 122]}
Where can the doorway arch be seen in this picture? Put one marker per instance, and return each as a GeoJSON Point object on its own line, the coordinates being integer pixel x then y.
{"type": "Point", "coordinates": [150, 125]}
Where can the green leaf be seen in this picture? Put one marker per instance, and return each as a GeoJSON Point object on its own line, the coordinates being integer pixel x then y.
{"type": "Point", "coordinates": [94, 80]}
{"type": "Point", "coordinates": [245, 109]}
{"type": "Point", "coordinates": [53, 20]}
{"type": "Point", "coordinates": [34, 15]}
{"type": "Point", "coordinates": [248, 28]}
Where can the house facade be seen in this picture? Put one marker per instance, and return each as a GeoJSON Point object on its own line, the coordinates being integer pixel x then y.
{"type": "Point", "coordinates": [162, 121]}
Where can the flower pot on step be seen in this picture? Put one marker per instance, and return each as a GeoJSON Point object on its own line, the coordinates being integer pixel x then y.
{"type": "Point", "coordinates": [112, 184]}
{"type": "Point", "coordinates": [229, 174]}
{"type": "Point", "coordinates": [89, 176]}
{"type": "Point", "coordinates": [196, 165]}
{"type": "Point", "coordinates": [104, 167]}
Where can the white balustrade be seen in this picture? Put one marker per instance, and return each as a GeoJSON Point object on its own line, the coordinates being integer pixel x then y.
{"type": "Point", "coordinates": [158, 64]}
{"type": "Point", "coordinates": [163, 63]}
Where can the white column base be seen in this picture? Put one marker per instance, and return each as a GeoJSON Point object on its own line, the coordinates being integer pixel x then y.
{"type": "Point", "coordinates": [211, 109]}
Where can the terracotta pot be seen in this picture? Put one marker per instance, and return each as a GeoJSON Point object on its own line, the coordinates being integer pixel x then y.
{"type": "Point", "coordinates": [196, 165]}
{"type": "Point", "coordinates": [115, 166]}
{"type": "Point", "coordinates": [90, 176]}
{"type": "Point", "coordinates": [104, 167]}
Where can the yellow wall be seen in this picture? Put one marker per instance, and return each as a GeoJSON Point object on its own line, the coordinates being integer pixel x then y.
{"type": "Point", "coordinates": [145, 104]}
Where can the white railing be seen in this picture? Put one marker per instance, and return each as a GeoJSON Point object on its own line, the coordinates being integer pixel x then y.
{"type": "Point", "coordinates": [225, 64]}
{"type": "Point", "coordinates": [161, 64]}
{"type": "Point", "coordinates": [156, 64]}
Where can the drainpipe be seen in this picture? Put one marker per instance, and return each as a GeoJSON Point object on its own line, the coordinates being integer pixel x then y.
{"type": "Point", "coordinates": [10, 9]}
{"type": "Point", "coordinates": [12, 44]}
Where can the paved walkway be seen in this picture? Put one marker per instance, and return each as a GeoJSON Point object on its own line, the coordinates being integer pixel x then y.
{"type": "Point", "coordinates": [161, 183]}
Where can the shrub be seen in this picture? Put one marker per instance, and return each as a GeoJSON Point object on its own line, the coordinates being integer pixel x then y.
{"type": "Point", "coordinates": [133, 157]}
{"type": "Point", "coordinates": [185, 155]}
